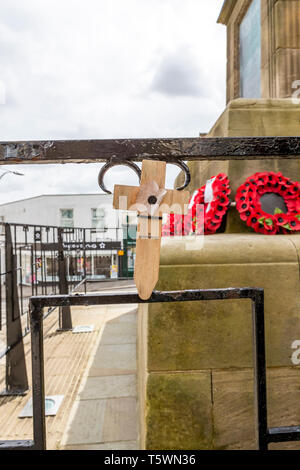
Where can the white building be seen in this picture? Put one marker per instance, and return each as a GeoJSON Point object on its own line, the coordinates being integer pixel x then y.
{"type": "Point", "coordinates": [64, 210]}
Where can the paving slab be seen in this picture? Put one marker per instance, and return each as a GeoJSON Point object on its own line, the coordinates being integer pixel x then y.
{"type": "Point", "coordinates": [127, 318]}
{"type": "Point", "coordinates": [108, 387]}
{"type": "Point", "coordinates": [114, 359]}
{"type": "Point", "coordinates": [86, 422]}
{"type": "Point", "coordinates": [120, 422]}
{"type": "Point", "coordinates": [119, 333]}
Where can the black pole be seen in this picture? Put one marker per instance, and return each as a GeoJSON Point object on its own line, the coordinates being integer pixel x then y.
{"type": "Point", "coordinates": [260, 379]}
{"type": "Point", "coordinates": [65, 312]}
{"type": "Point", "coordinates": [38, 380]}
{"type": "Point", "coordinates": [16, 373]}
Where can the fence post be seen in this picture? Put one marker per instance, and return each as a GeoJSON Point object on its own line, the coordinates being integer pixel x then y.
{"type": "Point", "coordinates": [65, 319]}
{"type": "Point", "coordinates": [16, 373]}
{"type": "Point", "coordinates": [84, 259]}
{"type": "Point", "coordinates": [38, 378]}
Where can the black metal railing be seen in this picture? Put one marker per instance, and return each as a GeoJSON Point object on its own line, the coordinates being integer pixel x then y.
{"type": "Point", "coordinates": [37, 304]}
{"type": "Point", "coordinates": [88, 253]}
{"type": "Point", "coordinates": [265, 435]}
{"type": "Point", "coordinates": [46, 260]}
{"type": "Point", "coordinates": [174, 151]}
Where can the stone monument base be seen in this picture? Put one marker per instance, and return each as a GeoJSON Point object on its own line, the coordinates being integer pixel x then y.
{"type": "Point", "coordinates": [195, 359]}
{"type": "Point", "coordinates": [249, 118]}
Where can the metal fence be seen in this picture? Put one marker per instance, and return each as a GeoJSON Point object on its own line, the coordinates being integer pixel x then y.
{"type": "Point", "coordinates": [127, 151]}
{"type": "Point", "coordinates": [265, 435]}
{"type": "Point", "coordinates": [37, 304]}
{"type": "Point", "coordinates": [47, 260]}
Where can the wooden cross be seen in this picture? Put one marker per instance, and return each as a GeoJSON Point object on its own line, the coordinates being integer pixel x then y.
{"type": "Point", "coordinates": [151, 200]}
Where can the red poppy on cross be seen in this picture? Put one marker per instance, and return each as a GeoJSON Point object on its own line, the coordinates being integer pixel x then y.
{"type": "Point", "coordinates": [151, 200]}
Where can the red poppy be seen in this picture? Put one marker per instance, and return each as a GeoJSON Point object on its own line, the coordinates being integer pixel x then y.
{"type": "Point", "coordinates": [253, 221]}
{"type": "Point", "coordinates": [204, 216]}
{"type": "Point", "coordinates": [293, 223]}
{"type": "Point", "coordinates": [248, 203]}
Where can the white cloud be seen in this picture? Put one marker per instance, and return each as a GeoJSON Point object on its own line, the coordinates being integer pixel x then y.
{"type": "Point", "coordinates": [179, 75]}
{"type": "Point", "coordinates": [106, 69]}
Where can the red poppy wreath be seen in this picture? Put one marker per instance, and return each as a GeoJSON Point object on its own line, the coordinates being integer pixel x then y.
{"type": "Point", "coordinates": [207, 209]}
{"type": "Point", "coordinates": [269, 203]}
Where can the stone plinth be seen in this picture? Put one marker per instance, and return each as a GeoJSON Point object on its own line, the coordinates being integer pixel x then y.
{"type": "Point", "coordinates": [249, 118]}
{"type": "Point", "coordinates": [196, 387]}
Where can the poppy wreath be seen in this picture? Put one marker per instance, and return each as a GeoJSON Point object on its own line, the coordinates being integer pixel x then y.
{"type": "Point", "coordinates": [249, 203]}
{"type": "Point", "coordinates": [177, 225]}
{"type": "Point", "coordinates": [202, 214]}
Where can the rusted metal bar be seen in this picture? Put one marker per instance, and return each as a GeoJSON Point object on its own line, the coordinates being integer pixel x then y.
{"type": "Point", "coordinates": [167, 149]}
{"type": "Point", "coordinates": [157, 297]}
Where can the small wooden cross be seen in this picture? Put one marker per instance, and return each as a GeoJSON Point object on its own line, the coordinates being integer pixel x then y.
{"type": "Point", "coordinates": [151, 200]}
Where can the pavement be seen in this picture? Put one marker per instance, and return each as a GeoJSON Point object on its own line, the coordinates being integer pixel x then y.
{"type": "Point", "coordinates": [104, 414]}
{"type": "Point", "coordinates": [94, 372]}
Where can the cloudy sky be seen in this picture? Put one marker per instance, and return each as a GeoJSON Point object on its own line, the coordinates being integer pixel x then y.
{"type": "Point", "coordinates": [73, 69]}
